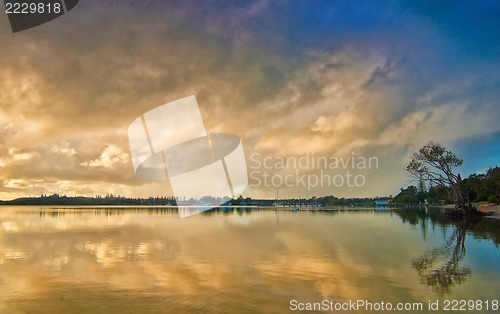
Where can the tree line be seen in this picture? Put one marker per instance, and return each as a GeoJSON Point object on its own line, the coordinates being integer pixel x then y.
{"type": "Point", "coordinates": [477, 188]}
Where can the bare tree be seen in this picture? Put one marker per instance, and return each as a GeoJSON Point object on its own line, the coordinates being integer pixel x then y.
{"type": "Point", "coordinates": [433, 162]}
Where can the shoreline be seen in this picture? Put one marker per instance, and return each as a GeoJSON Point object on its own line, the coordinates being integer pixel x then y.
{"type": "Point", "coordinates": [489, 211]}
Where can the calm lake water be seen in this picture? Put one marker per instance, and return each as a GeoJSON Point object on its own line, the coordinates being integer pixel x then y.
{"type": "Point", "coordinates": [125, 260]}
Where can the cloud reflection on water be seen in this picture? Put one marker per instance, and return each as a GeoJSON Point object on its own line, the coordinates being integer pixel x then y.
{"type": "Point", "coordinates": [306, 256]}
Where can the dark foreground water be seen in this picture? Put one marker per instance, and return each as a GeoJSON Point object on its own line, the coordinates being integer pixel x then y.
{"type": "Point", "coordinates": [120, 260]}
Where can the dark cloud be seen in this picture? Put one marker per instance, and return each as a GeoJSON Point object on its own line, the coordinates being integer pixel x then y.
{"type": "Point", "coordinates": [289, 78]}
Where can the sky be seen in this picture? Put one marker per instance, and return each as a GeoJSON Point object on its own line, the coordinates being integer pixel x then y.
{"type": "Point", "coordinates": [290, 78]}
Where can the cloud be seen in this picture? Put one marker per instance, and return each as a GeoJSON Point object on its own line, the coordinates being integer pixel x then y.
{"type": "Point", "coordinates": [63, 149]}
{"type": "Point", "coordinates": [109, 158]}
{"type": "Point", "coordinates": [336, 78]}
{"type": "Point", "coordinates": [17, 155]}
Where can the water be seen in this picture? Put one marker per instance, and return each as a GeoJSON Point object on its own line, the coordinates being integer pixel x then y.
{"type": "Point", "coordinates": [125, 260]}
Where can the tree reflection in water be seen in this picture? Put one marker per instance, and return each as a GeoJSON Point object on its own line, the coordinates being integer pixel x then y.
{"type": "Point", "coordinates": [440, 267]}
